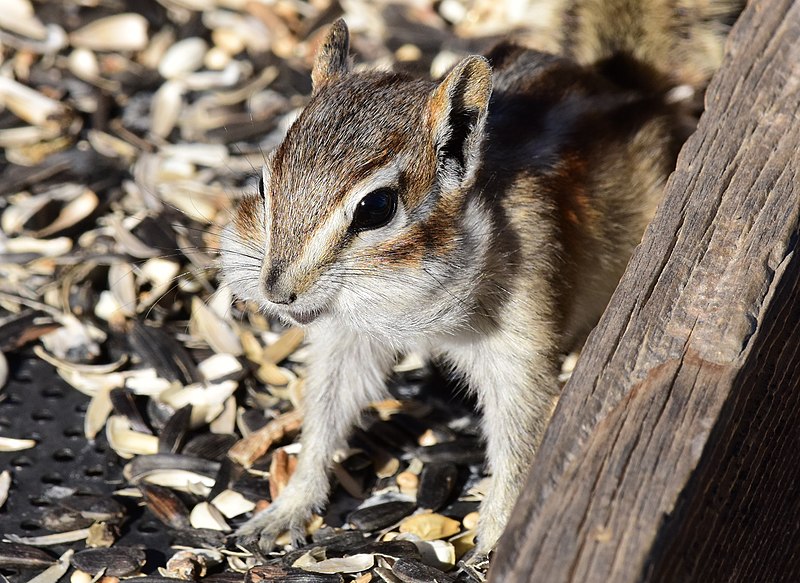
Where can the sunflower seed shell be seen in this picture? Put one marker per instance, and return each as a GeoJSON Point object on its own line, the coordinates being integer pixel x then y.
{"type": "Point", "coordinates": [113, 562]}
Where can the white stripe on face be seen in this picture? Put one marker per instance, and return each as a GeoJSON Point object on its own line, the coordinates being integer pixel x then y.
{"type": "Point", "coordinates": [337, 223]}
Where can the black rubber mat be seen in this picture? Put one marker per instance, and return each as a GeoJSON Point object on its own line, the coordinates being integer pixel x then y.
{"type": "Point", "coordinates": [37, 404]}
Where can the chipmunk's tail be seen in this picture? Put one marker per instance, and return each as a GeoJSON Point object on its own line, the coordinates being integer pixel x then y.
{"type": "Point", "coordinates": [682, 41]}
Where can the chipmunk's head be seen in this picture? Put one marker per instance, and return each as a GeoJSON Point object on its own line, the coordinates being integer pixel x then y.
{"type": "Point", "coordinates": [361, 212]}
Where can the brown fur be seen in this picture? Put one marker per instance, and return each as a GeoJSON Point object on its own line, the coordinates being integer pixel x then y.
{"type": "Point", "coordinates": [246, 220]}
{"type": "Point", "coordinates": [361, 138]}
{"type": "Point", "coordinates": [681, 40]}
{"type": "Point", "coordinates": [523, 189]}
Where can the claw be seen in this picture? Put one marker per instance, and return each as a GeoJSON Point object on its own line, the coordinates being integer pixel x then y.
{"type": "Point", "coordinates": [258, 535]}
{"type": "Point", "coordinates": [266, 542]}
{"type": "Point", "coordinates": [474, 565]}
{"type": "Point", "coordinates": [248, 541]}
{"type": "Point", "coordinates": [298, 533]}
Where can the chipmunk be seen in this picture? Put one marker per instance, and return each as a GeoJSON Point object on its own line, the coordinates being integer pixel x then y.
{"type": "Point", "coordinates": [484, 218]}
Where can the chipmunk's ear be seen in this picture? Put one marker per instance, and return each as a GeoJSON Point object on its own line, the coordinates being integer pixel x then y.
{"type": "Point", "coordinates": [457, 115]}
{"type": "Point", "coordinates": [332, 59]}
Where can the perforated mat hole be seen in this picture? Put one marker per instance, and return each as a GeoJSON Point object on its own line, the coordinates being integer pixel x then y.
{"type": "Point", "coordinates": [53, 393]}
{"type": "Point", "coordinates": [42, 415]}
{"type": "Point", "coordinates": [21, 461]}
{"type": "Point", "coordinates": [24, 375]}
{"type": "Point", "coordinates": [39, 501]}
{"type": "Point", "coordinates": [93, 471]}
{"type": "Point", "coordinates": [81, 407]}
{"type": "Point", "coordinates": [29, 525]}
{"type": "Point", "coordinates": [13, 399]}
{"type": "Point", "coordinates": [148, 527]}
{"type": "Point", "coordinates": [63, 455]}
{"type": "Point", "coordinates": [4, 423]}
{"type": "Point", "coordinates": [85, 492]}
{"type": "Point", "coordinates": [53, 478]}
{"type": "Point", "coordinates": [73, 432]}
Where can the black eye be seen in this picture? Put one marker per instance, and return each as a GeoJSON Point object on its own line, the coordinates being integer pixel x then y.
{"type": "Point", "coordinates": [261, 185]}
{"type": "Point", "coordinates": [375, 210]}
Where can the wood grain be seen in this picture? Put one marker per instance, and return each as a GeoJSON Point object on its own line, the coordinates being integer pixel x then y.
{"type": "Point", "coordinates": [674, 454]}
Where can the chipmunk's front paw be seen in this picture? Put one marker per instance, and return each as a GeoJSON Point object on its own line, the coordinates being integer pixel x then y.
{"type": "Point", "coordinates": [260, 532]}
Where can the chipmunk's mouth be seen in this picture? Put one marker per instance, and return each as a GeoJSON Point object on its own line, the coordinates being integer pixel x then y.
{"type": "Point", "coordinates": [305, 317]}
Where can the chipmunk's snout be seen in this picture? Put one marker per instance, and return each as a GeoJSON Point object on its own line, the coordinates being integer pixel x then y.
{"type": "Point", "coordinates": [282, 298]}
{"type": "Point", "coordinates": [276, 287]}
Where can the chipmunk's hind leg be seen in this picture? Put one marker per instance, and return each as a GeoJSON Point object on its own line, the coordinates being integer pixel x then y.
{"type": "Point", "coordinates": [474, 567]}
{"type": "Point", "coordinates": [516, 410]}
{"type": "Point", "coordinates": [517, 400]}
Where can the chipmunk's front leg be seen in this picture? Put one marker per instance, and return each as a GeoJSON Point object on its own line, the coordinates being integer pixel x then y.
{"type": "Point", "coordinates": [516, 383]}
{"type": "Point", "coordinates": [346, 373]}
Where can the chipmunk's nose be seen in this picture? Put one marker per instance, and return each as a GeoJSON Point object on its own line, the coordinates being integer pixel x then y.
{"type": "Point", "coordinates": [276, 288]}
{"type": "Point", "coordinates": [282, 298]}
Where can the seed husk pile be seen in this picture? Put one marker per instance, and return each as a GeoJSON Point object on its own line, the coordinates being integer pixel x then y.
{"type": "Point", "coordinates": [129, 128]}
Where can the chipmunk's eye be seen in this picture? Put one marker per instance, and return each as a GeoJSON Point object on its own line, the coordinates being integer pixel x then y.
{"type": "Point", "coordinates": [261, 186]}
{"type": "Point", "coordinates": [375, 210]}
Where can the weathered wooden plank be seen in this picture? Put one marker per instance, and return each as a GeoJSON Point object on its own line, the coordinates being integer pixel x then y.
{"type": "Point", "coordinates": [738, 518]}
{"type": "Point", "coordinates": [674, 454]}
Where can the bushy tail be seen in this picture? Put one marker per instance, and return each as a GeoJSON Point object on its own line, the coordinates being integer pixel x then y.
{"type": "Point", "coordinates": [682, 40]}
